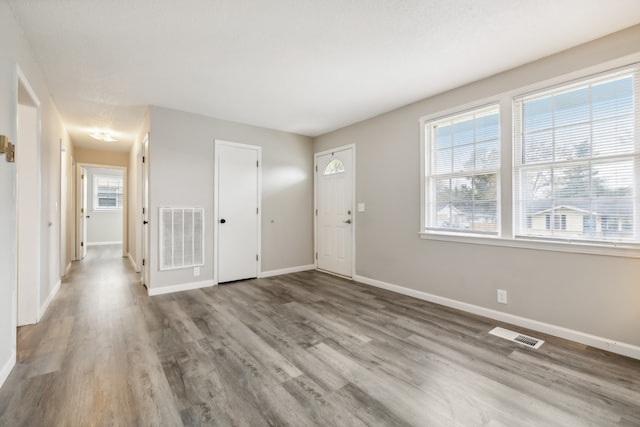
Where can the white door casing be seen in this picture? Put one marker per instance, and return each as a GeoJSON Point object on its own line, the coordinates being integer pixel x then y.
{"type": "Point", "coordinates": [237, 213]}
{"type": "Point", "coordinates": [335, 219]}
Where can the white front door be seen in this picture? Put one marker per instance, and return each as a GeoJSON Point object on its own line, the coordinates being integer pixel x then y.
{"type": "Point", "coordinates": [238, 214]}
{"type": "Point", "coordinates": [334, 204]}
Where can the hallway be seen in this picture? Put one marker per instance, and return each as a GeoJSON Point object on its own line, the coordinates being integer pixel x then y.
{"type": "Point", "coordinates": [90, 358]}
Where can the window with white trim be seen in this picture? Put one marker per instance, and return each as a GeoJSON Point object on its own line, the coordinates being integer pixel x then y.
{"type": "Point", "coordinates": [107, 192]}
{"type": "Point", "coordinates": [576, 161]}
{"type": "Point", "coordinates": [462, 159]}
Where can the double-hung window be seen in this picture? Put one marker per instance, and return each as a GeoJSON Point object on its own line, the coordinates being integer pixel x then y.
{"type": "Point", "coordinates": [107, 192]}
{"type": "Point", "coordinates": [577, 161]}
{"type": "Point", "coordinates": [462, 158]}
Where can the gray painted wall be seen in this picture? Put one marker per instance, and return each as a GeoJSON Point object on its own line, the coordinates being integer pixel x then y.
{"type": "Point", "coordinates": [594, 294]}
{"type": "Point", "coordinates": [181, 162]}
{"type": "Point", "coordinates": [102, 226]}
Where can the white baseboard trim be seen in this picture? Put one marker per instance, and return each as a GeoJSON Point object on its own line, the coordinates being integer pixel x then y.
{"type": "Point", "coordinates": [45, 304]}
{"type": "Point", "coordinates": [287, 270]}
{"type": "Point", "coordinates": [178, 288]}
{"type": "Point", "coordinates": [104, 243]}
{"type": "Point", "coordinates": [7, 368]}
{"type": "Point", "coordinates": [68, 269]}
{"type": "Point", "coordinates": [624, 349]}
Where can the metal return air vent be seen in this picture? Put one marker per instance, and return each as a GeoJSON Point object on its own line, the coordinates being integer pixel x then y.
{"type": "Point", "coordinates": [516, 337]}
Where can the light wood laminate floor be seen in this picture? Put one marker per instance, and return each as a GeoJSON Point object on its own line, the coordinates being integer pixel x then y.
{"type": "Point", "coordinates": [296, 350]}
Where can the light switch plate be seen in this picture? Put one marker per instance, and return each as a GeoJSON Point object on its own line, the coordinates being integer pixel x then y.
{"type": "Point", "coordinates": [360, 207]}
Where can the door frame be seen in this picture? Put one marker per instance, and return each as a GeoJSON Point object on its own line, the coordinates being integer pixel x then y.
{"type": "Point", "coordinates": [33, 246]}
{"type": "Point", "coordinates": [125, 204]}
{"type": "Point", "coordinates": [63, 203]}
{"type": "Point", "coordinates": [351, 147]}
{"type": "Point", "coordinates": [216, 205]}
{"type": "Point", "coordinates": [145, 215]}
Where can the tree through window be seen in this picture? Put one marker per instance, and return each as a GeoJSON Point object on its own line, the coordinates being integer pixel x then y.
{"type": "Point", "coordinates": [463, 155]}
{"type": "Point", "coordinates": [576, 159]}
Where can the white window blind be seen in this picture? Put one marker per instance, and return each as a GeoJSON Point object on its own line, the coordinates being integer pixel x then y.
{"type": "Point", "coordinates": [107, 192]}
{"type": "Point", "coordinates": [462, 164]}
{"type": "Point", "coordinates": [576, 160]}
{"type": "Point", "coordinates": [181, 237]}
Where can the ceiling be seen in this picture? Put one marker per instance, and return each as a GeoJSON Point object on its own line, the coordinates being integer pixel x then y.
{"type": "Point", "coordinates": [302, 66]}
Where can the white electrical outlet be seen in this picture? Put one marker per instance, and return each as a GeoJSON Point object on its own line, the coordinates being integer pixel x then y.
{"type": "Point", "coordinates": [502, 296]}
{"type": "Point", "coordinates": [196, 271]}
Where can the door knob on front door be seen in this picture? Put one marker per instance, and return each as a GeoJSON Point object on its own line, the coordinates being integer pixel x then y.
{"type": "Point", "coordinates": [222, 221]}
{"type": "Point", "coordinates": [347, 221]}
{"type": "Point", "coordinates": [145, 222]}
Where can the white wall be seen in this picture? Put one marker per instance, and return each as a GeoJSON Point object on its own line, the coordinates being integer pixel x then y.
{"type": "Point", "coordinates": [14, 50]}
{"type": "Point", "coordinates": [103, 226]}
{"type": "Point", "coordinates": [181, 162]}
{"type": "Point", "coordinates": [591, 294]}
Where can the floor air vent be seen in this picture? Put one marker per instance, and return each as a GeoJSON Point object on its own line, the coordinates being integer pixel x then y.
{"type": "Point", "coordinates": [516, 337]}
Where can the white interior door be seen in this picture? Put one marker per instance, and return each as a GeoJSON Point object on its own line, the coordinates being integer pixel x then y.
{"type": "Point", "coordinates": [145, 211]}
{"type": "Point", "coordinates": [238, 211]}
{"type": "Point", "coordinates": [63, 210]}
{"type": "Point", "coordinates": [82, 212]}
{"type": "Point", "coordinates": [334, 204]}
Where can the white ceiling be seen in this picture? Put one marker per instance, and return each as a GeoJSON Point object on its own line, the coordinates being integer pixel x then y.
{"type": "Point", "coordinates": [303, 66]}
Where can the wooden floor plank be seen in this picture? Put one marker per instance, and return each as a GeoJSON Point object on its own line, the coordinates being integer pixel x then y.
{"type": "Point", "coordinates": [301, 349]}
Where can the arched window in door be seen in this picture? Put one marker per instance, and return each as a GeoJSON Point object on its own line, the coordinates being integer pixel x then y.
{"type": "Point", "coordinates": [334, 166]}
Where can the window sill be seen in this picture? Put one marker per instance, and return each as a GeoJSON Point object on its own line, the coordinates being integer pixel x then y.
{"type": "Point", "coordinates": [98, 210]}
{"type": "Point", "coordinates": [617, 250]}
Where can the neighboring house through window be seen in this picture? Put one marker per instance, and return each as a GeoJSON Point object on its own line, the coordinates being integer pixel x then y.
{"type": "Point", "coordinates": [573, 176]}
{"type": "Point", "coordinates": [576, 159]}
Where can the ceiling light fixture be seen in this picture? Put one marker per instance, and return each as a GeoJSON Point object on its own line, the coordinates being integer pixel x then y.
{"type": "Point", "coordinates": [102, 136]}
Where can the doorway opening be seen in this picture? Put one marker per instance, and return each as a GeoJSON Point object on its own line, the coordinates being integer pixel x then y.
{"type": "Point", "coordinates": [28, 202]}
{"type": "Point", "coordinates": [101, 207]}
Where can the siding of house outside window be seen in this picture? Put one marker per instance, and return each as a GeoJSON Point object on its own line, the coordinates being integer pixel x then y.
{"type": "Point", "coordinates": [576, 160]}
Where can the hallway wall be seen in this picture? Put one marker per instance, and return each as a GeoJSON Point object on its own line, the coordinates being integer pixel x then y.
{"type": "Point", "coordinates": [181, 163]}
{"type": "Point", "coordinates": [15, 50]}
{"type": "Point", "coordinates": [101, 157]}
